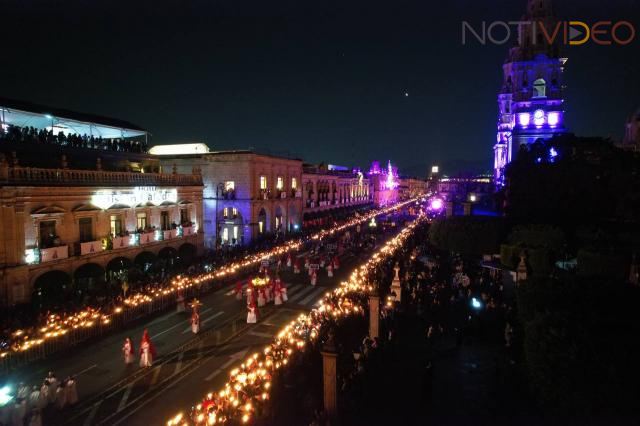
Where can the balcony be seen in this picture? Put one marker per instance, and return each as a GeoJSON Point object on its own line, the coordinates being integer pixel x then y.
{"type": "Point", "coordinates": [11, 175]}
{"type": "Point", "coordinates": [147, 237]}
{"type": "Point", "coordinates": [54, 253]}
{"type": "Point", "coordinates": [91, 247]}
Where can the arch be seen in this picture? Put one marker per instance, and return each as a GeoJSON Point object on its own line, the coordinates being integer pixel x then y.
{"type": "Point", "coordinates": [145, 260]}
{"type": "Point", "coordinates": [539, 88]}
{"type": "Point", "coordinates": [169, 255]}
{"type": "Point", "coordinates": [187, 253]}
{"type": "Point", "coordinates": [118, 265]}
{"type": "Point", "coordinates": [50, 288]}
{"type": "Point", "coordinates": [89, 279]}
{"type": "Point", "coordinates": [293, 218]}
{"type": "Point", "coordinates": [278, 218]}
{"type": "Point", "coordinates": [263, 221]}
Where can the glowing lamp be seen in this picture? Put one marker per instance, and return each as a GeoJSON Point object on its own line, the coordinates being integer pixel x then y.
{"type": "Point", "coordinates": [475, 303]}
{"type": "Point", "coordinates": [553, 118]}
{"type": "Point", "coordinates": [524, 119]}
{"type": "Point", "coordinates": [5, 395]}
{"type": "Point", "coordinates": [437, 204]}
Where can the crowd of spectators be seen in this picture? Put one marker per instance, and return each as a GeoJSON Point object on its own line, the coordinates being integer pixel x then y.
{"type": "Point", "coordinates": [73, 140]}
{"type": "Point", "coordinates": [40, 404]}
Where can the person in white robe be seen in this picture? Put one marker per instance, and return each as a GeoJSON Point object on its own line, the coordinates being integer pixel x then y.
{"type": "Point", "coordinates": [147, 350]}
{"type": "Point", "coordinates": [128, 351]}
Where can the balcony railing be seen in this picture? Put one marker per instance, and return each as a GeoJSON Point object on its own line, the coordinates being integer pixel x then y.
{"type": "Point", "coordinates": [65, 177]}
{"type": "Point", "coordinates": [54, 253]}
{"type": "Point", "coordinates": [91, 247]}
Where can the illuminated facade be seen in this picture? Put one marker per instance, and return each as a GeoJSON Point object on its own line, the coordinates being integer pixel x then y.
{"type": "Point", "coordinates": [246, 194]}
{"type": "Point", "coordinates": [384, 182]}
{"type": "Point", "coordinates": [330, 187]}
{"type": "Point", "coordinates": [67, 228]}
{"type": "Point", "coordinates": [411, 187]}
{"type": "Point", "coordinates": [531, 101]}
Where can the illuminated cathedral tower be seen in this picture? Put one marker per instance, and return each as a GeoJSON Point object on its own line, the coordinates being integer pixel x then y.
{"type": "Point", "coordinates": [530, 103]}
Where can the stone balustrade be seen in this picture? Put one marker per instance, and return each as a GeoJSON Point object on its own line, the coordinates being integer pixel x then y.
{"type": "Point", "coordinates": [72, 177]}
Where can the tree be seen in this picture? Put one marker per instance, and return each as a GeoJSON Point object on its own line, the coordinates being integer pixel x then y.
{"type": "Point", "coordinates": [580, 343]}
{"type": "Point", "coordinates": [468, 235]}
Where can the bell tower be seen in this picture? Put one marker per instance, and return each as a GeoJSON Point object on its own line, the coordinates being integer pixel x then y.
{"type": "Point", "coordinates": [531, 100]}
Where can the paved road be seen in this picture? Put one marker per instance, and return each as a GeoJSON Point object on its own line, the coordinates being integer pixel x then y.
{"type": "Point", "coordinates": [111, 393]}
{"type": "Point", "coordinates": [198, 364]}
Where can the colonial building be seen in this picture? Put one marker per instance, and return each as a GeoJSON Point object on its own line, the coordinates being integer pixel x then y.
{"type": "Point", "coordinates": [79, 210]}
{"type": "Point", "coordinates": [411, 187]}
{"type": "Point", "coordinates": [246, 194]}
{"type": "Point", "coordinates": [384, 183]}
{"type": "Point", "coordinates": [531, 101]}
{"type": "Point", "coordinates": [327, 189]}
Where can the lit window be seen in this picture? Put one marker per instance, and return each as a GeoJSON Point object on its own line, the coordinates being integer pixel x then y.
{"type": "Point", "coordinates": [229, 185]}
{"type": "Point", "coordinates": [235, 232]}
{"type": "Point", "coordinates": [261, 227]}
{"type": "Point", "coordinates": [141, 220]}
{"type": "Point", "coordinates": [225, 212]}
{"type": "Point", "coordinates": [234, 211]}
{"type": "Point", "coordinates": [225, 234]}
{"type": "Point", "coordinates": [294, 183]}
{"type": "Point", "coordinates": [539, 88]}
{"type": "Point", "coordinates": [263, 182]}
{"type": "Point", "coordinates": [280, 183]}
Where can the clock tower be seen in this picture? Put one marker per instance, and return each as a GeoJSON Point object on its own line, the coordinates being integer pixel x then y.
{"type": "Point", "coordinates": [531, 101]}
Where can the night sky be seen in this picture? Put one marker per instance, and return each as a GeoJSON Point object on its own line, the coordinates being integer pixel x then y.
{"type": "Point", "coordinates": [322, 80]}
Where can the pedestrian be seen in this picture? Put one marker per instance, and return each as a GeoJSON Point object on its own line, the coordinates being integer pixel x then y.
{"type": "Point", "coordinates": [53, 387]}
{"type": "Point", "coordinates": [147, 350]}
{"type": "Point", "coordinates": [61, 396]}
{"type": "Point", "coordinates": [34, 398]}
{"type": "Point", "coordinates": [18, 412]}
{"type": "Point", "coordinates": [128, 351]}
{"type": "Point", "coordinates": [72, 391]}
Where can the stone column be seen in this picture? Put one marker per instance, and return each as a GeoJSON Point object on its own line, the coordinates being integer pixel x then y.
{"type": "Point", "coordinates": [395, 284]}
{"type": "Point", "coordinates": [522, 270]}
{"type": "Point", "coordinates": [449, 208]}
{"type": "Point", "coordinates": [329, 377]}
{"type": "Point", "coordinates": [467, 209]}
{"type": "Point", "coordinates": [374, 316]}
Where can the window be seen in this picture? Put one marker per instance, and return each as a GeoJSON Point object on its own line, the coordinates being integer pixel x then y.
{"type": "Point", "coordinates": [234, 211]}
{"type": "Point", "coordinates": [141, 220]}
{"type": "Point", "coordinates": [263, 182]}
{"type": "Point", "coordinates": [164, 220]}
{"type": "Point", "coordinates": [184, 216]}
{"type": "Point", "coordinates": [539, 88]}
{"type": "Point", "coordinates": [225, 212]}
{"type": "Point", "coordinates": [294, 183]}
{"type": "Point", "coordinates": [225, 234]}
{"type": "Point", "coordinates": [229, 185]}
{"type": "Point", "coordinates": [260, 227]}
{"type": "Point", "coordinates": [116, 225]}
{"type": "Point", "coordinates": [47, 233]}
{"type": "Point", "coordinates": [280, 183]}
{"type": "Point", "coordinates": [86, 229]}
{"type": "Point", "coordinates": [235, 233]}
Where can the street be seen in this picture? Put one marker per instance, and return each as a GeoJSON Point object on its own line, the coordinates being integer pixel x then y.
{"type": "Point", "coordinates": [112, 393]}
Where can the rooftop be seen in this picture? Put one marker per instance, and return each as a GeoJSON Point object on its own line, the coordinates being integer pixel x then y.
{"type": "Point", "coordinates": [27, 114]}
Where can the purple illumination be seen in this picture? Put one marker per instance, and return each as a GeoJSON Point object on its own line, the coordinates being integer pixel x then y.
{"type": "Point", "coordinates": [524, 118]}
{"type": "Point", "coordinates": [436, 204]}
{"type": "Point", "coordinates": [553, 119]}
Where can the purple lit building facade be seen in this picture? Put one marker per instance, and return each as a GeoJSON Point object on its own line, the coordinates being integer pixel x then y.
{"type": "Point", "coordinates": [531, 101]}
{"type": "Point", "coordinates": [384, 182]}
